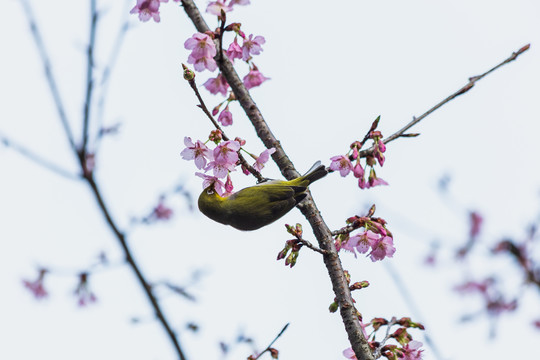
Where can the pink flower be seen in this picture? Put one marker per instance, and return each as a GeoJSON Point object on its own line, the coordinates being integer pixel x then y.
{"type": "Point", "coordinates": [252, 46]}
{"type": "Point", "coordinates": [147, 9]}
{"type": "Point", "coordinates": [411, 351]}
{"type": "Point", "coordinates": [378, 151]}
{"type": "Point", "coordinates": [342, 164]}
{"type": "Point", "coordinates": [382, 248]}
{"type": "Point", "coordinates": [162, 212]}
{"type": "Point", "coordinates": [215, 7]}
{"type": "Point", "coordinates": [349, 354]}
{"type": "Point", "coordinates": [83, 293]}
{"type": "Point", "coordinates": [229, 185]}
{"type": "Point", "coordinates": [254, 78]}
{"type": "Point", "coordinates": [234, 51]}
{"type": "Point", "coordinates": [476, 223]}
{"type": "Point", "coordinates": [239, 2]}
{"type": "Point", "coordinates": [203, 51]}
{"type": "Point", "coordinates": [373, 180]}
{"type": "Point", "coordinates": [201, 45]}
{"type": "Point", "coordinates": [227, 152]}
{"type": "Point", "coordinates": [263, 159]}
{"type": "Point", "coordinates": [202, 63]}
{"type": "Point", "coordinates": [225, 118]}
{"type": "Point", "coordinates": [213, 182]}
{"type": "Point", "coordinates": [197, 151]}
{"type": "Point", "coordinates": [358, 171]}
{"type": "Point", "coordinates": [217, 85]}
{"type": "Point", "coordinates": [36, 287]}
{"type": "Point", "coordinates": [220, 170]}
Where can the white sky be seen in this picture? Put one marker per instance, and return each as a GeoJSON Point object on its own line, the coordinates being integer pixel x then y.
{"type": "Point", "coordinates": [334, 66]}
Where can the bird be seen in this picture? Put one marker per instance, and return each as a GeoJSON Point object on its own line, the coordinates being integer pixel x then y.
{"type": "Point", "coordinates": [256, 206]}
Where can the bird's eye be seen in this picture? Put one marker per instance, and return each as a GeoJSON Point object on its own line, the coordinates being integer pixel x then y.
{"type": "Point", "coordinates": [209, 191]}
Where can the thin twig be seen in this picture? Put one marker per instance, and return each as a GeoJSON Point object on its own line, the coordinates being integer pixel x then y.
{"type": "Point", "coordinates": [273, 341]}
{"type": "Point", "coordinates": [377, 351]}
{"type": "Point", "coordinates": [313, 247]}
{"type": "Point", "coordinates": [37, 159]}
{"type": "Point", "coordinates": [51, 81]}
{"type": "Point", "coordinates": [461, 91]}
{"type": "Point", "coordinates": [104, 83]}
{"type": "Point", "coordinates": [203, 107]}
{"type": "Point", "coordinates": [89, 77]}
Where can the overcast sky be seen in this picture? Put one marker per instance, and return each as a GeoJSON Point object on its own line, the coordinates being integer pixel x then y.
{"type": "Point", "coordinates": [334, 67]}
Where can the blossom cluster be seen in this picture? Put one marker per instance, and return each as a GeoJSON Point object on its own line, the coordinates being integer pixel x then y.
{"type": "Point", "coordinates": [408, 349]}
{"type": "Point", "coordinates": [374, 240]}
{"type": "Point", "coordinates": [221, 160]}
{"type": "Point", "coordinates": [344, 163]}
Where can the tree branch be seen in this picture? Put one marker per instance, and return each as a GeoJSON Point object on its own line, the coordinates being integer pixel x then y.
{"type": "Point", "coordinates": [87, 173]}
{"type": "Point", "coordinates": [89, 77]}
{"type": "Point", "coordinates": [322, 232]}
{"type": "Point", "coordinates": [37, 159]}
{"type": "Point", "coordinates": [461, 91]}
{"type": "Point", "coordinates": [51, 81]}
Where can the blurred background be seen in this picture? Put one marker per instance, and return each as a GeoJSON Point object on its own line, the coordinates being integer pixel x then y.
{"type": "Point", "coordinates": [334, 67]}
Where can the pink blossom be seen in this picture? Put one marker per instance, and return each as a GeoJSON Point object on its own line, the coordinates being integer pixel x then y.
{"type": "Point", "coordinates": [83, 293]}
{"type": "Point", "coordinates": [215, 7]}
{"type": "Point", "coordinates": [202, 63]}
{"type": "Point", "coordinates": [252, 46]}
{"type": "Point", "coordinates": [162, 212]}
{"type": "Point", "coordinates": [229, 185]}
{"type": "Point", "coordinates": [234, 51]}
{"type": "Point", "coordinates": [476, 223]}
{"type": "Point", "coordinates": [411, 351]}
{"type": "Point", "coordinates": [201, 45]}
{"type": "Point", "coordinates": [36, 287]}
{"type": "Point", "coordinates": [203, 51]}
{"type": "Point", "coordinates": [358, 170]}
{"type": "Point", "coordinates": [147, 9]}
{"type": "Point", "coordinates": [263, 158]}
{"type": "Point", "coordinates": [239, 2]}
{"type": "Point", "coordinates": [225, 118]}
{"type": "Point", "coordinates": [373, 180]}
{"type": "Point", "coordinates": [254, 78]}
{"type": "Point", "coordinates": [217, 85]}
{"type": "Point", "coordinates": [349, 354]}
{"type": "Point", "coordinates": [213, 182]}
{"type": "Point", "coordinates": [227, 152]}
{"type": "Point", "coordinates": [197, 151]}
{"type": "Point", "coordinates": [220, 170]}
{"type": "Point", "coordinates": [342, 164]}
{"type": "Point", "coordinates": [382, 248]}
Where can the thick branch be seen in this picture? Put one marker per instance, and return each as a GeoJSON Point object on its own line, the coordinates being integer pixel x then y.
{"type": "Point", "coordinates": [308, 208]}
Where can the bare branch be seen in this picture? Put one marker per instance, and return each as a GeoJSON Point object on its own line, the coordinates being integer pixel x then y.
{"type": "Point", "coordinates": [51, 81]}
{"type": "Point", "coordinates": [37, 159]}
{"type": "Point", "coordinates": [89, 76]}
{"type": "Point", "coordinates": [461, 91]}
{"type": "Point", "coordinates": [273, 341]}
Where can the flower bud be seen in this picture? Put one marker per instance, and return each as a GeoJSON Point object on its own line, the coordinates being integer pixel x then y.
{"type": "Point", "coordinates": [189, 75]}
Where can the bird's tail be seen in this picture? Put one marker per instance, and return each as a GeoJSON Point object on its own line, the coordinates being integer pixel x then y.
{"type": "Point", "coordinates": [316, 172]}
